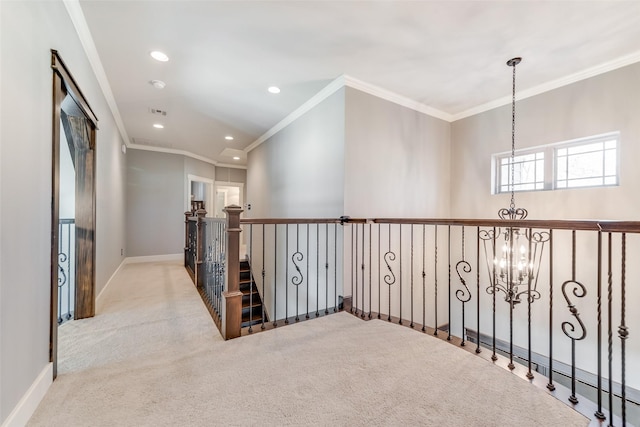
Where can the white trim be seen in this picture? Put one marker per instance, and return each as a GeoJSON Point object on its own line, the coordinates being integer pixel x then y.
{"type": "Point", "coordinates": [82, 28]}
{"type": "Point", "coordinates": [337, 84]}
{"type": "Point", "coordinates": [396, 98]}
{"type": "Point", "coordinates": [122, 263]}
{"type": "Point", "coordinates": [31, 399]}
{"type": "Point", "coordinates": [554, 84]}
{"type": "Point", "coordinates": [184, 153]}
{"type": "Point", "coordinates": [154, 258]}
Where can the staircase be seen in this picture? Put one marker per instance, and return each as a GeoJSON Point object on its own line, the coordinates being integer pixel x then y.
{"type": "Point", "coordinates": [251, 301]}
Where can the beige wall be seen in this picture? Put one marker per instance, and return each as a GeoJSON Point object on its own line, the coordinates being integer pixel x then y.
{"type": "Point", "coordinates": [396, 160]}
{"type": "Point", "coordinates": [28, 30]}
{"type": "Point", "coordinates": [594, 106]}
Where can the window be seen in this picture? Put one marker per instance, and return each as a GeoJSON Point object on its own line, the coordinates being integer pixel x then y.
{"type": "Point", "coordinates": [585, 162]}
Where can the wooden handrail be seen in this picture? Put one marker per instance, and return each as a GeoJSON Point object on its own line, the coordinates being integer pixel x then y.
{"type": "Point", "coordinates": [579, 225]}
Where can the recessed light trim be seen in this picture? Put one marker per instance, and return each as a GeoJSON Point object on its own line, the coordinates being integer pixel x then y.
{"type": "Point", "coordinates": [273, 89]}
{"type": "Point", "coordinates": [159, 56]}
{"type": "Point", "coordinates": [158, 126]}
{"type": "Point", "coordinates": [228, 138]}
{"type": "Point", "coordinates": [158, 84]}
{"type": "Point", "coordinates": [236, 158]}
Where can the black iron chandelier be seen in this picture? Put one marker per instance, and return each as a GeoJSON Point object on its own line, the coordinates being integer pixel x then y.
{"type": "Point", "coordinates": [514, 259]}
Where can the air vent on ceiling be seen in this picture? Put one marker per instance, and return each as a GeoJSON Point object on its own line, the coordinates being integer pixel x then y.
{"type": "Point", "coordinates": [157, 112]}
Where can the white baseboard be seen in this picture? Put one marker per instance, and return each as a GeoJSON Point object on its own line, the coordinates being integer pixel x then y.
{"type": "Point", "coordinates": [154, 258]}
{"type": "Point", "coordinates": [124, 261]}
{"type": "Point", "coordinates": [31, 399]}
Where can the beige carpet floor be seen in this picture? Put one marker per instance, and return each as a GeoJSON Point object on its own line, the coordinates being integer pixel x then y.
{"type": "Point", "coordinates": [153, 357]}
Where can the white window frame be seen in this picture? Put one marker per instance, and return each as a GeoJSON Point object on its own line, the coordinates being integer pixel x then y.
{"type": "Point", "coordinates": [550, 162]}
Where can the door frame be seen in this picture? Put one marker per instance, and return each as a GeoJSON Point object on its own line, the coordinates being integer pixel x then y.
{"type": "Point", "coordinates": [64, 85]}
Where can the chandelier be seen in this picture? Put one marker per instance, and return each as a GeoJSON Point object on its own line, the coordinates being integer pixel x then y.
{"type": "Point", "coordinates": [513, 261]}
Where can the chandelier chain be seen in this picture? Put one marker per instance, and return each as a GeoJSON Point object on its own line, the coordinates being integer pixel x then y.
{"type": "Point", "coordinates": [513, 139]}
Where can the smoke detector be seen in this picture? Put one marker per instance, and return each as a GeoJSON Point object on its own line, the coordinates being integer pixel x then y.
{"type": "Point", "coordinates": [157, 112]}
{"type": "Point", "coordinates": [158, 84]}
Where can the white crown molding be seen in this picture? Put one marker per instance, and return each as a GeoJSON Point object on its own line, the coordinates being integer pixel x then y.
{"type": "Point", "coordinates": [396, 98]}
{"type": "Point", "coordinates": [80, 23]}
{"type": "Point", "coordinates": [554, 84]}
{"type": "Point", "coordinates": [184, 153]}
{"type": "Point", "coordinates": [337, 84]}
{"type": "Point", "coordinates": [327, 91]}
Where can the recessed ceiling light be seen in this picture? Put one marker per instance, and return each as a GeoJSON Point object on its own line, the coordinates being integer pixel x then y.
{"type": "Point", "coordinates": [228, 138]}
{"type": "Point", "coordinates": [158, 84]}
{"type": "Point", "coordinates": [274, 89]}
{"type": "Point", "coordinates": [159, 56]}
{"type": "Point", "coordinates": [158, 126]}
{"type": "Point", "coordinates": [236, 158]}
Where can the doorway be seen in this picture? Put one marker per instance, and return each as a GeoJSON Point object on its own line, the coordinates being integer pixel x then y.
{"type": "Point", "coordinates": [74, 129]}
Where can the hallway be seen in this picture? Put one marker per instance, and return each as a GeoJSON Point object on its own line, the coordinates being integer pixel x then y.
{"type": "Point", "coordinates": [153, 357]}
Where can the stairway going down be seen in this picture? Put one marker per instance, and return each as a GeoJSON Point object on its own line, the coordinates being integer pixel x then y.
{"type": "Point", "coordinates": [251, 301]}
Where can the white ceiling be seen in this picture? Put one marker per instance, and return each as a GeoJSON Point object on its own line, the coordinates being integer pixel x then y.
{"type": "Point", "coordinates": [447, 55]}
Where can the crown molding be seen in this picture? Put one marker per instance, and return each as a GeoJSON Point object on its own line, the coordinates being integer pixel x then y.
{"type": "Point", "coordinates": [396, 98]}
{"type": "Point", "coordinates": [82, 28]}
{"type": "Point", "coordinates": [186, 154]}
{"type": "Point", "coordinates": [554, 84]}
{"type": "Point", "coordinates": [335, 85]}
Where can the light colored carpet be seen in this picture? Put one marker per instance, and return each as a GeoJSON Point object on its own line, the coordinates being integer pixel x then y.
{"type": "Point", "coordinates": [153, 357]}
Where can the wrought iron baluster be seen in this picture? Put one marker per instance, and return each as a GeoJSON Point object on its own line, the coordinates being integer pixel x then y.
{"type": "Point", "coordinates": [335, 266]}
{"type": "Point", "coordinates": [623, 331]}
{"type": "Point", "coordinates": [449, 290]}
{"type": "Point", "coordinates": [317, 264]}
{"type": "Point", "coordinates": [610, 324]}
{"type": "Point", "coordinates": [355, 268]}
{"type": "Point", "coordinates": [579, 291]}
{"type": "Point", "coordinates": [494, 356]}
{"type": "Point", "coordinates": [370, 268]}
{"type": "Point", "coordinates": [411, 272]}
{"type": "Point", "coordinates": [250, 278]}
{"type": "Point", "coordinates": [400, 273]}
{"type": "Point", "coordinates": [599, 414]}
{"type": "Point", "coordinates": [390, 278]}
{"type": "Point", "coordinates": [275, 275]}
{"type": "Point", "coordinates": [463, 295]}
{"type": "Point", "coordinates": [353, 300]}
{"type": "Point", "coordinates": [550, 385]}
{"type": "Point", "coordinates": [70, 276]}
{"type": "Point", "coordinates": [435, 279]}
{"type": "Point", "coordinates": [379, 271]}
{"type": "Point", "coordinates": [363, 271]}
{"type": "Point", "coordinates": [424, 279]}
{"type": "Point", "coordinates": [264, 238]}
{"type": "Point", "coordinates": [478, 289]}
{"type": "Point", "coordinates": [326, 266]}
{"type": "Point", "coordinates": [529, 301]}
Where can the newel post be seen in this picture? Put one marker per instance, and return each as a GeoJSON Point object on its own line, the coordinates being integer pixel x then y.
{"type": "Point", "coordinates": [232, 296]}
{"type": "Point", "coordinates": [200, 245]}
{"type": "Point", "coordinates": [187, 215]}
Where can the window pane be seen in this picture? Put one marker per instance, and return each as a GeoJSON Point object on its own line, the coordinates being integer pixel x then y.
{"type": "Point", "coordinates": [610, 180]}
{"type": "Point", "coordinates": [586, 148]}
{"type": "Point", "coordinates": [585, 165]}
{"type": "Point", "coordinates": [585, 182]}
{"type": "Point", "coordinates": [610, 144]}
{"type": "Point", "coordinates": [610, 162]}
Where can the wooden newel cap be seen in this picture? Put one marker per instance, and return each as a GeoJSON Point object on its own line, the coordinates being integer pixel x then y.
{"type": "Point", "coordinates": [233, 208]}
{"type": "Point", "coordinates": [201, 212]}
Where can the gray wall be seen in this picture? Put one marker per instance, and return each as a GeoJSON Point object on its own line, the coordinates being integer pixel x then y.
{"type": "Point", "coordinates": [155, 199]}
{"type": "Point", "coordinates": [27, 31]}
{"type": "Point", "coordinates": [299, 172]}
{"type": "Point", "coordinates": [396, 160]}
{"type": "Point", "coordinates": [600, 104]}
{"type": "Point", "coordinates": [231, 175]}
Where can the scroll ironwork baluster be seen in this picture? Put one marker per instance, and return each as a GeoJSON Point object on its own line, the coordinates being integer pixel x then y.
{"type": "Point", "coordinates": [463, 295]}
{"type": "Point", "coordinates": [579, 291]}
{"type": "Point", "coordinates": [529, 301]}
{"type": "Point", "coordinates": [353, 300]}
{"type": "Point", "coordinates": [250, 279]}
{"type": "Point", "coordinates": [355, 268]}
{"type": "Point", "coordinates": [379, 271]}
{"type": "Point", "coordinates": [335, 266]}
{"type": "Point", "coordinates": [389, 278]}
